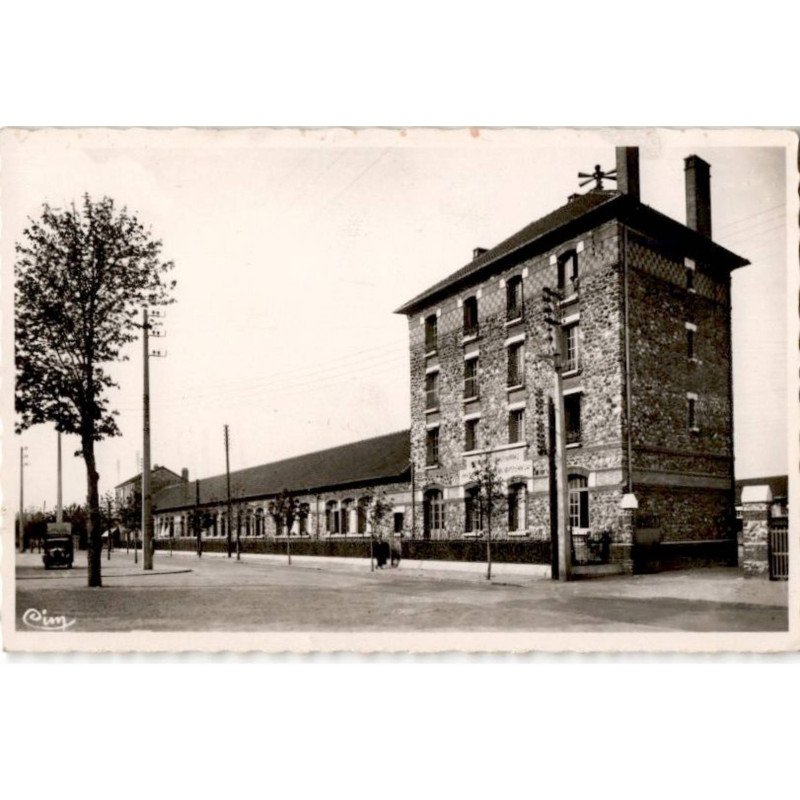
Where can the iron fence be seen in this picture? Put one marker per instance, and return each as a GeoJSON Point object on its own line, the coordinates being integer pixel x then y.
{"type": "Point", "coordinates": [779, 549]}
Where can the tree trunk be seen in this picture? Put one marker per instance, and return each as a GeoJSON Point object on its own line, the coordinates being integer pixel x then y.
{"type": "Point", "coordinates": [94, 525]}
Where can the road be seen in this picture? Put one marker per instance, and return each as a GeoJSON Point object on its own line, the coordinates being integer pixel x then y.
{"type": "Point", "coordinates": [185, 593]}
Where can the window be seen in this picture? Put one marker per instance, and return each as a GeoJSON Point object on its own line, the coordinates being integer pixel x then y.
{"type": "Point", "coordinates": [432, 447]}
{"type": "Point", "coordinates": [471, 434]}
{"type": "Point", "coordinates": [690, 340]}
{"type": "Point", "coordinates": [516, 507]}
{"type": "Point", "coordinates": [259, 522]}
{"type": "Point", "coordinates": [514, 298]}
{"type": "Point", "coordinates": [398, 522]}
{"type": "Point", "coordinates": [471, 316]}
{"type": "Point", "coordinates": [331, 517]}
{"type": "Point", "coordinates": [347, 507]}
{"type": "Point", "coordinates": [571, 349]}
{"type": "Point", "coordinates": [691, 412]}
{"type": "Point", "coordinates": [432, 513]}
{"type": "Point", "coordinates": [572, 418]}
{"type": "Point", "coordinates": [516, 364]}
{"type": "Point", "coordinates": [578, 502]}
{"type": "Point", "coordinates": [430, 333]}
{"type": "Point", "coordinates": [690, 279]}
{"type": "Point", "coordinates": [516, 425]}
{"type": "Point", "coordinates": [473, 518]}
{"type": "Point", "coordinates": [470, 378]}
{"type": "Point", "coordinates": [431, 391]}
{"type": "Point", "coordinates": [302, 519]}
{"type": "Point", "coordinates": [362, 514]}
{"type": "Point", "coordinates": [568, 272]}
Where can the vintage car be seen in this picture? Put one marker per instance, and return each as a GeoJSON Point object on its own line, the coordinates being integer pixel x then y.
{"type": "Point", "coordinates": [58, 550]}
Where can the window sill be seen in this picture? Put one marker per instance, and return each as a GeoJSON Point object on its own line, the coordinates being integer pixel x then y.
{"type": "Point", "coordinates": [515, 388]}
{"type": "Point", "coordinates": [519, 533]}
{"type": "Point", "coordinates": [695, 361]}
{"type": "Point", "coordinates": [514, 320]}
{"type": "Point", "coordinates": [432, 466]}
{"type": "Point", "coordinates": [470, 453]}
{"type": "Point", "coordinates": [472, 337]}
{"type": "Point", "coordinates": [694, 430]}
{"type": "Point", "coordinates": [472, 399]}
{"type": "Point", "coordinates": [472, 535]}
{"type": "Point", "coordinates": [432, 410]}
{"type": "Point", "coordinates": [570, 299]}
{"type": "Point", "coordinates": [692, 291]}
{"type": "Point", "coordinates": [431, 353]}
{"type": "Point", "coordinates": [571, 373]}
{"type": "Point", "coordinates": [572, 445]}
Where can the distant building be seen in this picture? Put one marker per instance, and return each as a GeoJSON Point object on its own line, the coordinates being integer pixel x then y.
{"type": "Point", "coordinates": [645, 327]}
{"type": "Point", "coordinates": [334, 486]}
{"type": "Point", "coordinates": [159, 478]}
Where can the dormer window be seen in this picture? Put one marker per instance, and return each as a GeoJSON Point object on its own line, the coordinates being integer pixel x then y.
{"type": "Point", "coordinates": [471, 316]}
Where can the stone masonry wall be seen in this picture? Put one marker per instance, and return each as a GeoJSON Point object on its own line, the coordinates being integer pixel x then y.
{"type": "Point", "coordinates": [600, 379]}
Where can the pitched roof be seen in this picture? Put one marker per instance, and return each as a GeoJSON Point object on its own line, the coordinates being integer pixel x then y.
{"type": "Point", "coordinates": [581, 213]}
{"type": "Point", "coordinates": [138, 476]}
{"type": "Point", "coordinates": [380, 459]}
{"type": "Point", "coordinates": [779, 484]}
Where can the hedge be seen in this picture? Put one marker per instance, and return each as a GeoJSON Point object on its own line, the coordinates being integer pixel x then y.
{"type": "Point", "coordinates": [516, 551]}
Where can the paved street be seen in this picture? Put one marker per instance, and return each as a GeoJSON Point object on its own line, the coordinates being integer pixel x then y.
{"type": "Point", "coordinates": [185, 593]}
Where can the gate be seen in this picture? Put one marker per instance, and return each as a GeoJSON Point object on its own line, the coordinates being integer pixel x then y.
{"type": "Point", "coordinates": [779, 549]}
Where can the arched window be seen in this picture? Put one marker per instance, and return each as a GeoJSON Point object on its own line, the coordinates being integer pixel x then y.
{"type": "Point", "coordinates": [362, 515]}
{"type": "Point", "coordinates": [517, 493]}
{"type": "Point", "coordinates": [471, 316]}
{"type": "Point", "coordinates": [578, 503]}
{"type": "Point", "coordinates": [347, 508]}
{"type": "Point", "coordinates": [247, 523]}
{"type": "Point", "coordinates": [302, 518]}
{"type": "Point", "coordinates": [331, 517]}
{"type": "Point", "coordinates": [433, 514]}
{"type": "Point", "coordinates": [259, 522]}
{"type": "Point", "coordinates": [473, 516]}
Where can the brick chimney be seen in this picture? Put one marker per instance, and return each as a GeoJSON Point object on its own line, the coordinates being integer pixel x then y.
{"type": "Point", "coordinates": [698, 195]}
{"type": "Point", "coordinates": [185, 475]}
{"type": "Point", "coordinates": [628, 170]}
{"type": "Point", "coordinates": [478, 252]}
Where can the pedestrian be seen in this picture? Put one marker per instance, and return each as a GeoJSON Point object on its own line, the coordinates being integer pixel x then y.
{"type": "Point", "coordinates": [396, 551]}
{"type": "Point", "coordinates": [381, 552]}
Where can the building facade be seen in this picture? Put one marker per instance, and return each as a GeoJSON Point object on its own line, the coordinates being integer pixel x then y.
{"type": "Point", "coordinates": [644, 329]}
{"type": "Point", "coordinates": [335, 490]}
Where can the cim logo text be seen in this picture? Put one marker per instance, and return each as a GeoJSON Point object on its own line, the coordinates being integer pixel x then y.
{"type": "Point", "coordinates": [42, 621]}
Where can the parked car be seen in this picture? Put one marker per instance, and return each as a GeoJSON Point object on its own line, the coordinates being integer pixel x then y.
{"type": "Point", "coordinates": [58, 550]}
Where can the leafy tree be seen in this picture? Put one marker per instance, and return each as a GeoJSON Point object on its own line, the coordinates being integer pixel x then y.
{"type": "Point", "coordinates": [83, 276]}
{"type": "Point", "coordinates": [490, 498]}
{"type": "Point", "coordinates": [285, 509]}
{"type": "Point", "coordinates": [379, 509]}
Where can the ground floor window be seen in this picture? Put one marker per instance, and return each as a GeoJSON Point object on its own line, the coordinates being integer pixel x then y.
{"type": "Point", "coordinates": [398, 521]}
{"type": "Point", "coordinates": [362, 515]}
{"type": "Point", "coordinates": [302, 521]}
{"type": "Point", "coordinates": [473, 518]}
{"type": "Point", "coordinates": [433, 513]}
{"type": "Point", "coordinates": [331, 517]}
{"type": "Point", "coordinates": [516, 507]}
{"type": "Point", "coordinates": [578, 502]}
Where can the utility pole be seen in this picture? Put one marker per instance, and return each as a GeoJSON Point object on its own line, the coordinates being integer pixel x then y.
{"type": "Point", "coordinates": [228, 483]}
{"type": "Point", "coordinates": [22, 453]}
{"type": "Point", "coordinates": [197, 517]}
{"type": "Point", "coordinates": [551, 300]}
{"type": "Point", "coordinates": [147, 496]}
{"type": "Point", "coordinates": [59, 507]}
{"type": "Point", "coordinates": [110, 526]}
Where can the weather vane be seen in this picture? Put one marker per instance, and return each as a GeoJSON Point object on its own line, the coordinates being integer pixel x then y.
{"type": "Point", "coordinates": [598, 175]}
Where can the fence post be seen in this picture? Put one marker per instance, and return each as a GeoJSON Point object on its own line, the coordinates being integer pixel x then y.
{"type": "Point", "coordinates": [755, 530]}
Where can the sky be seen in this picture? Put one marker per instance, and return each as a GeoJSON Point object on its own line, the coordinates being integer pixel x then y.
{"type": "Point", "coordinates": [294, 248]}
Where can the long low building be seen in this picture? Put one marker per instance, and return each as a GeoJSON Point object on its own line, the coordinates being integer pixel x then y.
{"type": "Point", "coordinates": [334, 487]}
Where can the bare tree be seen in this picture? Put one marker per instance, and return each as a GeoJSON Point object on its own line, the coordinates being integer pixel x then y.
{"type": "Point", "coordinates": [285, 509]}
{"type": "Point", "coordinates": [490, 498]}
{"type": "Point", "coordinates": [82, 277]}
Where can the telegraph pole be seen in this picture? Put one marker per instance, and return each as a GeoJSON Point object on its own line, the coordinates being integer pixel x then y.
{"type": "Point", "coordinates": [22, 452]}
{"type": "Point", "coordinates": [552, 316]}
{"type": "Point", "coordinates": [59, 507]}
{"type": "Point", "coordinates": [147, 499]}
{"type": "Point", "coordinates": [147, 496]}
{"type": "Point", "coordinates": [228, 481]}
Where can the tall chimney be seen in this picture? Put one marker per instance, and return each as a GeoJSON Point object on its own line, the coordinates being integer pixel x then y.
{"type": "Point", "coordinates": [698, 195]}
{"type": "Point", "coordinates": [185, 475]}
{"type": "Point", "coordinates": [477, 252]}
{"type": "Point", "coordinates": [628, 170]}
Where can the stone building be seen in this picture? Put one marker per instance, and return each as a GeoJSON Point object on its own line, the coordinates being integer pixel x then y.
{"type": "Point", "coordinates": [335, 489]}
{"type": "Point", "coordinates": [645, 330]}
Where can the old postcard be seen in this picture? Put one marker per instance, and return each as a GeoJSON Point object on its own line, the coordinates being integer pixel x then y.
{"type": "Point", "coordinates": [399, 390]}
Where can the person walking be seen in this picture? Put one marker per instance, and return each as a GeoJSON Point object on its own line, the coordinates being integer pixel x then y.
{"type": "Point", "coordinates": [396, 551]}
